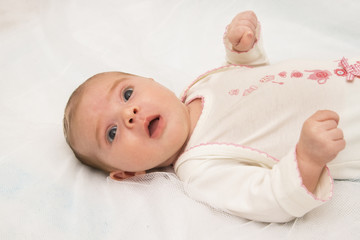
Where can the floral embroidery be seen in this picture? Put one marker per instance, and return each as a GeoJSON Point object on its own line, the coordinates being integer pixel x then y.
{"type": "Point", "coordinates": [340, 72]}
{"type": "Point", "coordinates": [352, 70]}
{"type": "Point", "coordinates": [283, 74]}
{"type": "Point", "coordinates": [267, 78]}
{"type": "Point", "coordinates": [250, 90]}
{"type": "Point", "coordinates": [296, 74]}
{"type": "Point", "coordinates": [321, 76]}
{"type": "Point", "coordinates": [234, 92]}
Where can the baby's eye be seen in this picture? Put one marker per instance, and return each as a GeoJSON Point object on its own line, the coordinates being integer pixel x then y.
{"type": "Point", "coordinates": [127, 94]}
{"type": "Point", "coordinates": [111, 134]}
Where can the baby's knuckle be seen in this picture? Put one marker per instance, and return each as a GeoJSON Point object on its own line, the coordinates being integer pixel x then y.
{"type": "Point", "coordinates": [239, 34]}
{"type": "Point", "coordinates": [250, 13]}
{"type": "Point", "coordinates": [341, 144]}
{"type": "Point", "coordinates": [340, 132]}
{"type": "Point", "coordinates": [313, 131]}
{"type": "Point", "coordinates": [308, 123]}
{"type": "Point", "coordinates": [319, 113]}
{"type": "Point", "coordinates": [335, 148]}
{"type": "Point", "coordinates": [330, 149]}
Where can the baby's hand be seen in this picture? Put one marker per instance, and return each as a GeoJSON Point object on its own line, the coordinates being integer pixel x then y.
{"type": "Point", "coordinates": [241, 31]}
{"type": "Point", "coordinates": [321, 139]}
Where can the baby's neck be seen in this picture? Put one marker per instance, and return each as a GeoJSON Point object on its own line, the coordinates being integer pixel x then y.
{"type": "Point", "coordinates": [195, 108]}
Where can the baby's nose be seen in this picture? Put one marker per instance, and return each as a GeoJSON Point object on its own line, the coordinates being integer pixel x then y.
{"type": "Point", "coordinates": [129, 115]}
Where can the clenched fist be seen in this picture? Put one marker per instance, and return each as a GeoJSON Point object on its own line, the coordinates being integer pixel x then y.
{"type": "Point", "coordinates": [241, 32]}
{"type": "Point", "coordinates": [320, 141]}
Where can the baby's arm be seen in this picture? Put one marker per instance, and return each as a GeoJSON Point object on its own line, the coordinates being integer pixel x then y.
{"type": "Point", "coordinates": [320, 141]}
{"type": "Point", "coordinates": [248, 184]}
{"type": "Point", "coordinates": [242, 42]}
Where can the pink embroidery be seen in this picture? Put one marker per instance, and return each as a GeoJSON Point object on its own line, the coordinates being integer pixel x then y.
{"type": "Point", "coordinates": [267, 78]}
{"type": "Point", "coordinates": [352, 70]}
{"type": "Point", "coordinates": [321, 76]}
{"type": "Point", "coordinates": [280, 83]}
{"type": "Point", "coordinates": [325, 199]}
{"type": "Point", "coordinates": [283, 74]}
{"type": "Point", "coordinates": [250, 90]}
{"type": "Point", "coordinates": [184, 94]}
{"type": "Point", "coordinates": [296, 74]}
{"type": "Point", "coordinates": [234, 92]}
{"type": "Point", "coordinates": [340, 72]}
{"type": "Point", "coordinates": [305, 188]}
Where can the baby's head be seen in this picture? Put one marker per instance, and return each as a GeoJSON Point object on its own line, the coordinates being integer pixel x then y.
{"type": "Point", "coordinates": [125, 124]}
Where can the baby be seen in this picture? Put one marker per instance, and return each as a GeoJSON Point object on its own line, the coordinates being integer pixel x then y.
{"type": "Point", "coordinates": [252, 141]}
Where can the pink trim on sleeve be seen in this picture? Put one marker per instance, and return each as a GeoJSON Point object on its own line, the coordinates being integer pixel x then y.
{"type": "Point", "coordinates": [310, 193]}
{"type": "Point", "coordinates": [276, 160]}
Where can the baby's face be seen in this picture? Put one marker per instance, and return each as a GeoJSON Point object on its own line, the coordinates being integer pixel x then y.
{"type": "Point", "coordinates": [130, 123]}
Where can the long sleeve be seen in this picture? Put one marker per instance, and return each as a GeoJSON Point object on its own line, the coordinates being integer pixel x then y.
{"type": "Point", "coordinates": [251, 189]}
{"type": "Point", "coordinates": [254, 57]}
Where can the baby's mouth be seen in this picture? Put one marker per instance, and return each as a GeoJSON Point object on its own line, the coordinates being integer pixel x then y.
{"type": "Point", "coordinates": [153, 124]}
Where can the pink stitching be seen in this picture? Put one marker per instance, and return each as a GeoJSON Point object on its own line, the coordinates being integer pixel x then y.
{"type": "Point", "coordinates": [182, 98]}
{"type": "Point", "coordinates": [276, 160]}
{"type": "Point", "coordinates": [234, 92]}
{"type": "Point", "coordinates": [202, 102]}
{"type": "Point", "coordinates": [263, 153]}
{"type": "Point", "coordinates": [267, 78]}
{"type": "Point", "coordinates": [340, 72]}
{"type": "Point", "coordinates": [283, 74]}
{"type": "Point", "coordinates": [249, 90]}
{"type": "Point", "coordinates": [321, 76]}
{"type": "Point", "coordinates": [296, 74]}
{"type": "Point", "coordinates": [352, 70]}
{"type": "Point", "coordinates": [280, 83]}
{"type": "Point", "coordinates": [303, 186]}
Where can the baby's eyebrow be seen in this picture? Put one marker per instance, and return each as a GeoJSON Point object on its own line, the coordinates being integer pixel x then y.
{"type": "Point", "coordinates": [114, 86]}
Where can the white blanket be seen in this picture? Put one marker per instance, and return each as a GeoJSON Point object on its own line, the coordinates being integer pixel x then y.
{"type": "Point", "coordinates": [48, 47]}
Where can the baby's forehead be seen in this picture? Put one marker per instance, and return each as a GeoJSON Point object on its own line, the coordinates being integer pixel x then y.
{"type": "Point", "coordinates": [99, 86]}
{"type": "Point", "coordinates": [101, 82]}
{"type": "Point", "coordinates": [109, 76]}
{"type": "Point", "coordinates": [104, 78]}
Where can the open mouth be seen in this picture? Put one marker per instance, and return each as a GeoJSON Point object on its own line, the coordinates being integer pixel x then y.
{"type": "Point", "coordinates": [153, 125]}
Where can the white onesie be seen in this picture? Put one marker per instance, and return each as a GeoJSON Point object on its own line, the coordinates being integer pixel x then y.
{"type": "Point", "coordinates": [241, 156]}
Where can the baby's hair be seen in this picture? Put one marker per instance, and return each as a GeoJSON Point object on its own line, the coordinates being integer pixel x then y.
{"type": "Point", "coordinates": [70, 111]}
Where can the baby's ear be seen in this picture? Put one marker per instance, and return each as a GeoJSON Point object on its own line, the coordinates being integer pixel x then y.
{"type": "Point", "coordinates": [122, 175]}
